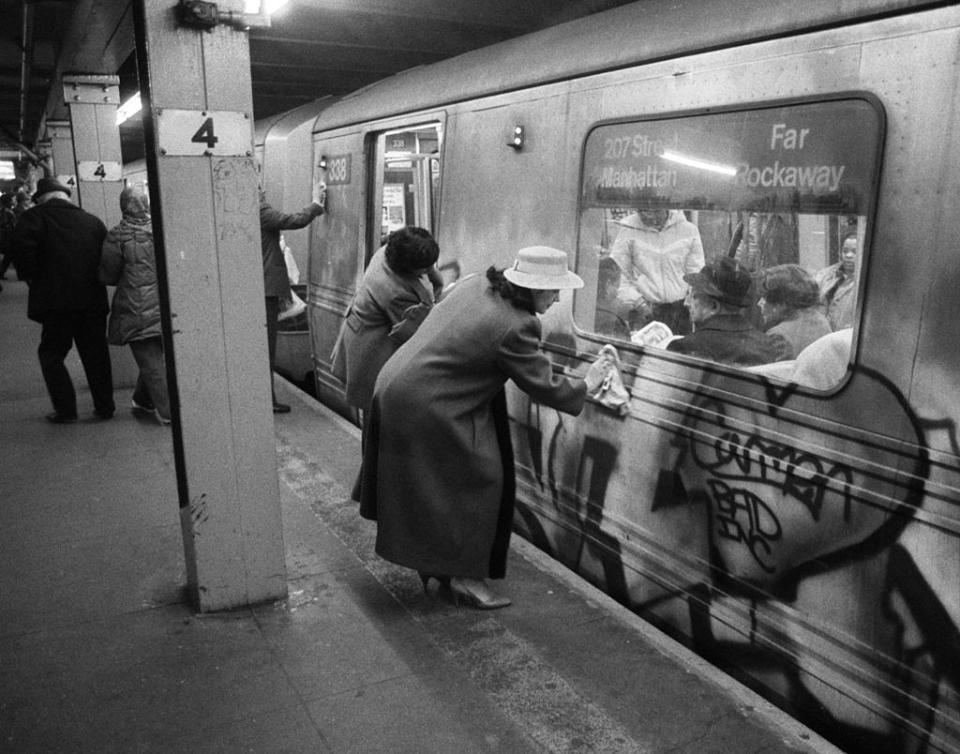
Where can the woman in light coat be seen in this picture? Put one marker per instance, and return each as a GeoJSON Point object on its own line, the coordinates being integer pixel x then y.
{"type": "Point", "coordinates": [438, 465]}
{"type": "Point", "coordinates": [128, 262]}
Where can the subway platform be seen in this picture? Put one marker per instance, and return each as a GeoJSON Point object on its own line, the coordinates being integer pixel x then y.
{"type": "Point", "coordinates": [101, 652]}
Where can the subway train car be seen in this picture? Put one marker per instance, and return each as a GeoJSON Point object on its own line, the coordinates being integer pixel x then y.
{"type": "Point", "coordinates": [797, 523]}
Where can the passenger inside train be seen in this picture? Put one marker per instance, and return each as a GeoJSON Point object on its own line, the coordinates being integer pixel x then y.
{"type": "Point", "coordinates": [719, 298]}
{"type": "Point", "coordinates": [655, 248]}
{"type": "Point", "coordinates": [790, 304]}
{"type": "Point", "coordinates": [609, 321]}
{"type": "Point", "coordinates": [838, 284]}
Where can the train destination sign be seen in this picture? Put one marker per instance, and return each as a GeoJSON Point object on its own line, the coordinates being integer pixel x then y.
{"type": "Point", "coordinates": [817, 157]}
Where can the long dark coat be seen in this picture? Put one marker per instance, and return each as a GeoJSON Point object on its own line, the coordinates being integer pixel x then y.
{"type": "Point", "coordinates": [437, 465]}
{"type": "Point", "coordinates": [58, 253]}
{"type": "Point", "coordinates": [370, 334]}
{"type": "Point", "coordinates": [732, 339]}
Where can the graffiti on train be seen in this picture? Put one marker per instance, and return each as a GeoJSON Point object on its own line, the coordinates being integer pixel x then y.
{"type": "Point", "coordinates": [775, 538]}
{"type": "Point", "coordinates": [745, 470]}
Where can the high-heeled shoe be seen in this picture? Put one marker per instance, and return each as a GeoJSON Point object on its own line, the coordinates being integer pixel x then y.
{"type": "Point", "coordinates": [425, 580]}
{"type": "Point", "coordinates": [476, 594]}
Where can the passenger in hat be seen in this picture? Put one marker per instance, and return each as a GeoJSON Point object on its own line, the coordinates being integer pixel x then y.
{"type": "Point", "coordinates": [437, 467]}
{"type": "Point", "coordinates": [718, 300]}
{"type": "Point", "coordinates": [58, 254]}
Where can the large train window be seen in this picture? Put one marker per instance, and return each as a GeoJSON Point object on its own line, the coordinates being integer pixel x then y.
{"type": "Point", "coordinates": [407, 176]}
{"type": "Point", "coordinates": [765, 208]}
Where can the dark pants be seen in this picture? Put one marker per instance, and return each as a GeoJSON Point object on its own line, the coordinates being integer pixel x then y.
{"type": "Point", "coordinates": [87, 330]}
{"type": "Point", "coordinates": [273, 312]}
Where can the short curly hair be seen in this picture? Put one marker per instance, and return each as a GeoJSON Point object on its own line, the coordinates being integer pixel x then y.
{"type": "Point", "coordinates": [411, 248]}
{"type": "Point", "coordinates": [789, 285]}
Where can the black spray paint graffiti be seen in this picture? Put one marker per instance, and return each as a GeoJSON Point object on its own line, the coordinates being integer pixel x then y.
{"type": "Point", "coordinates": [736, 463]}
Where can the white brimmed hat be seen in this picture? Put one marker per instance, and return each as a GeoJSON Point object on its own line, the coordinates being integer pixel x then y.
{"type": "Point", "coordinates": [542, 268]}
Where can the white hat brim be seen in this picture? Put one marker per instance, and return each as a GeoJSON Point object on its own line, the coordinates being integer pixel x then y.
{"type": "Point", "coordinates": [569, 281]}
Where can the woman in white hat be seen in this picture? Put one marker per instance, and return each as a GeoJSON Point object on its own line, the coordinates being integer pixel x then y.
{"type": "Point", "coordinates": [438, 471]}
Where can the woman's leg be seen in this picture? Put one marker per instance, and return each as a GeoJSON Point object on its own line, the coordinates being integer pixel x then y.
{"type": "Point", "coordinates": [148, 354]}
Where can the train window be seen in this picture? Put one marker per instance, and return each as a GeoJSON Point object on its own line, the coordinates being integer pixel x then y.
{"type": "Point", "coordinates": [768, 207]}
{"type": "Point", "coordinates": [407, 175]}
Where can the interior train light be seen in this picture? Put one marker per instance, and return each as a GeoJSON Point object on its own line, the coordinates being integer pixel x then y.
{"type": "Point", "coordinates": [517, 141]}
{"type": "Point", "coordinates": [323, 163]}
{"type": "Point", "coordinates": [694, 162]}
{"type": "Point", "coordinates": [129, 108]}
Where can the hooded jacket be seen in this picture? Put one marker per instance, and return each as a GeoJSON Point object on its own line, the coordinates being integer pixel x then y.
{"type": "Point", "coordinates": [128, 262]}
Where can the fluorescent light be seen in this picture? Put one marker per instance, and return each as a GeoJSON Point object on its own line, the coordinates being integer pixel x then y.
{"type": "Point", "coordinates": [693, 162]}
{"type": "Point", "coordinates": [128, 109]}
{"type": "Point", "coordinates": [267, 8]}
{"type": "Point", "coordinates": [6, 170]}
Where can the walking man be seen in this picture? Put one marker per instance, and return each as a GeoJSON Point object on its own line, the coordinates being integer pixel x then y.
{"type": "Point", "coordinates": [58, 254]}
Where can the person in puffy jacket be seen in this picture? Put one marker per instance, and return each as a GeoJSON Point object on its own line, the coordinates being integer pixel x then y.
{"type": "Point", "coordinates": [128, 262]}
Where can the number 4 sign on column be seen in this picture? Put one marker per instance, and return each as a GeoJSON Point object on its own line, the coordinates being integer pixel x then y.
{"type": "Point", "coordinates": [204, 132]}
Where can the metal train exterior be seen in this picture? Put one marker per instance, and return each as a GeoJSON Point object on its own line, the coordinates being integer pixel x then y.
{"type": "Point", "coordinates": [804, 536]}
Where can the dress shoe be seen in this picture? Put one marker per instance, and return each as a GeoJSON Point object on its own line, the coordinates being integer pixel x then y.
{"type": "Point", "coordinates": [102, 416]}
{"type": "Point", "coordinates": [56, 418]}
{"type": "Point", "coordinates": [476, 594]}
{"type": "Point", "coordinates": [281, 408]}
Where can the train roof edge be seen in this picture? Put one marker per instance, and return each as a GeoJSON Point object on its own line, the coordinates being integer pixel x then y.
{"type": "Point", "coordinates": [612, 39]}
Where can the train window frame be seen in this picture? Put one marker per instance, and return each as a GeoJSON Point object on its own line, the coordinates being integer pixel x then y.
{"type": "Point", "coordinates": [866, 217]}
{"type": "Point", "coordinates": [426, 169]}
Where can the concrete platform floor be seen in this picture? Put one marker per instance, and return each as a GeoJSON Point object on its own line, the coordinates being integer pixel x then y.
{"type": "Point", "coordinates": [99, 651]}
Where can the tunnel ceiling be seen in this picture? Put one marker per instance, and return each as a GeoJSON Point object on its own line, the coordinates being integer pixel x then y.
{"type": "Point", "coordinates": [313, 48]}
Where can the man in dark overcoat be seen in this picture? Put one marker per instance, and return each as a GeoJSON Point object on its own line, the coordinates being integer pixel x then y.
{"type": "Point", "coordinates": [58, 254]}
{"type": "Point", "coordinates": [719, 298]}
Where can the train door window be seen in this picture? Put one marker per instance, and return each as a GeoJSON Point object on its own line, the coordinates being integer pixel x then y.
{"type": "Point", "coordinates": [406, 181]}
{"type": "Point", "coordinates": [768, 208]}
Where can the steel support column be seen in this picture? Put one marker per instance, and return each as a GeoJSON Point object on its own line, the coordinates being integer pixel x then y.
{"type": "Point", "coordinates": [198, 126]}
{"type": "Point", "coordinates": [59, 136]}
{"type": "Point", "coordinates": [92, 101]}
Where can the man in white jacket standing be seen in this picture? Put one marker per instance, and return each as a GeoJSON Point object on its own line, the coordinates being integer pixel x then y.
{"type": "Point", "coordinates": [655, 249]}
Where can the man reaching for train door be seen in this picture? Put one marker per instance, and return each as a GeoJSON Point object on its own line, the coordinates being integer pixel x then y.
{"type": "Point", "coordinates": [276, 281]}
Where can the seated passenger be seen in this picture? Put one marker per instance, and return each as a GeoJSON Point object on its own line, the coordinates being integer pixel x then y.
{"type": "Point", "coordinates": [719, 297]}
{"type": "Point", "coordinates": [607, 321]}
{"type": "Point", "coordinates": [790, 304]}
{"type": "Point", "coordinates": [838, 285]}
